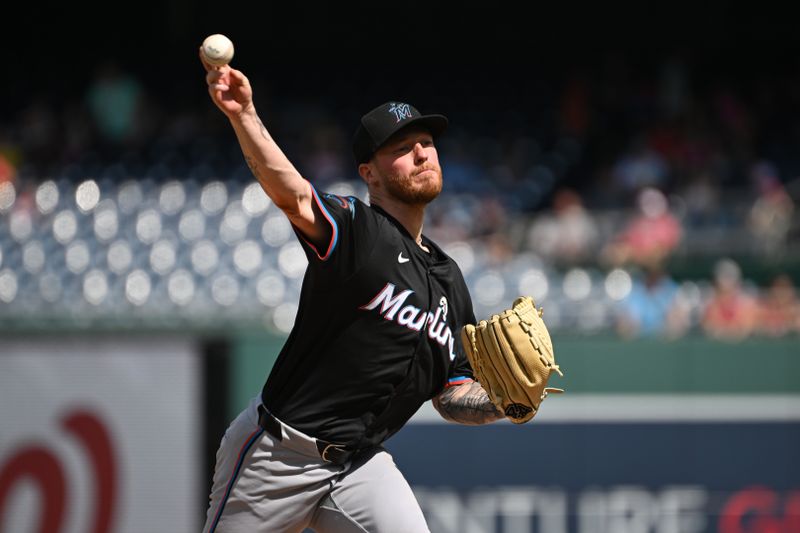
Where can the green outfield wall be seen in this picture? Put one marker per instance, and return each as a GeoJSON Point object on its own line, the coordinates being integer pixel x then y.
{"type": "Point", "coordinates": [253, 354]}
{"type": "Point", "coordinates": [607, 365]}
{"type": "Point", "coordinates": [689, 365]}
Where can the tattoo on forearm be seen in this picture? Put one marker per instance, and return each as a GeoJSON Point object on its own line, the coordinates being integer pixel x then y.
{"type": "Point", "coordinates": [252, 165]}
{"type": "Point", "coordinates": [467, 404]}
{"type": "Point", "coordinates": [264, 132]}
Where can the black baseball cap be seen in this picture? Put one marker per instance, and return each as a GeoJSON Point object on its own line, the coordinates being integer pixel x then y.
{"type": "Point", "coordinates": [387, 119]}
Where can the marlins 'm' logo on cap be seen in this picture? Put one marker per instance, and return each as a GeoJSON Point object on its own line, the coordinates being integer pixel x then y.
{"type": "Point", "coordinates": [387, 119]}
{"type": "Point", "coordinates": [400, 110]}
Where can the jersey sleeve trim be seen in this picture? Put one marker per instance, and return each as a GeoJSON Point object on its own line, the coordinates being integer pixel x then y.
{"type": "Point", "coordinates": [334, 229]}
{"type": "Point", "coordinates": [458, 380]}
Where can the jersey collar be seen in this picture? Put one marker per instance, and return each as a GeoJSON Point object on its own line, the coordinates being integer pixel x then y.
{"type": "Point", "coordinates": [436, 256]}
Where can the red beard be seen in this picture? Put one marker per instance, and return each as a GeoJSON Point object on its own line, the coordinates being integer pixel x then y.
{"type": "Point", "coordinates": [413, 190]}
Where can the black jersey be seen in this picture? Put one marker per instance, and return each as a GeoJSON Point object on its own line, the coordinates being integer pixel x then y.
{"type": "Point", "coordinates": [377, 331]}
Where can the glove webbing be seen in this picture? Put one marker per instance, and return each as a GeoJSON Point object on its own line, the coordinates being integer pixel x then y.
{"type": "Point", "coordinates": [526, 326]}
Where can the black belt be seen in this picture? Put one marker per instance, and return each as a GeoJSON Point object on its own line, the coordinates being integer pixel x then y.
{"type": "Point", "coordinates": [328, 451]}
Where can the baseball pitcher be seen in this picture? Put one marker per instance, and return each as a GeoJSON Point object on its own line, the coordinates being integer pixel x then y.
{"type": "Point", "coordinates": [380, 330]}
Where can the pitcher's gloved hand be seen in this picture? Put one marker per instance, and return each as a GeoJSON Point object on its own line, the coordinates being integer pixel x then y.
{"type": "Point", "coordinates": [512, 357]}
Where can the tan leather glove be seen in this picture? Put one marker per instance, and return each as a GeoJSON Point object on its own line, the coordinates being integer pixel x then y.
{"type": "Point", "coordinates": [512, 357]}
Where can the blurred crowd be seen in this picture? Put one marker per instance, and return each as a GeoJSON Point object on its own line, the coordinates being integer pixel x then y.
{"type": "Point", "coordinates": [668, 195]}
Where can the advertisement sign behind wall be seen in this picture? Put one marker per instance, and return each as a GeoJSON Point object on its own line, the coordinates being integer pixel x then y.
{"type": "Point", "coordinates": [99, 435]}
{"type": "Point", "coordinates": [605, 478]}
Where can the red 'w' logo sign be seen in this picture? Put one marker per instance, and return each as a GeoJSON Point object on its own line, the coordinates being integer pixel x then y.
{"type": "Point", "coordinates": [39, 464]}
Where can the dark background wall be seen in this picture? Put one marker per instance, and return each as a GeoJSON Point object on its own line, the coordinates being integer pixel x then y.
{"type": "Point", "coordinates": [297, 45]}
{"type": "Point", "coordinates": [476, 61]}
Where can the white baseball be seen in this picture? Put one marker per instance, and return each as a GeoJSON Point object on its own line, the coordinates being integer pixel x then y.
{"type": "Point", "coordinates": [217, 50]}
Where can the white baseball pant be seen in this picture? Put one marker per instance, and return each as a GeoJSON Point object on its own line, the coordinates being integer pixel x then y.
{"type": "Point", "coordinates": [265, 485]}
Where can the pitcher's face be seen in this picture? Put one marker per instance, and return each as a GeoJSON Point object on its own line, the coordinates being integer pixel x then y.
{"type": "Point", "coordinates": [407, 167]}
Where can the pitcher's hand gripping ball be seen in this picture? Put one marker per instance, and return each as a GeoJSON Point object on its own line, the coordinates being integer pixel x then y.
{"type": "Point", "coordinates": [512, 357]}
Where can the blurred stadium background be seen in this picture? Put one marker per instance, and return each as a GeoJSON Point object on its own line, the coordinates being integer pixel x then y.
{"type": "Point", "coordinates": [635, 169]}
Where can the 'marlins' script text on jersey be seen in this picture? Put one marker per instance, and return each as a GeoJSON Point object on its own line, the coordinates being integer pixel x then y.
{"type": "Point", "coordinates": [413, 317]}
{"type": "Point", "coordinates": [388, 343]}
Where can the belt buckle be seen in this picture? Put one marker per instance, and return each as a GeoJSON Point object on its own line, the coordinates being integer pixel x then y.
{"type": "Point", "coordinates": [327, 448]}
